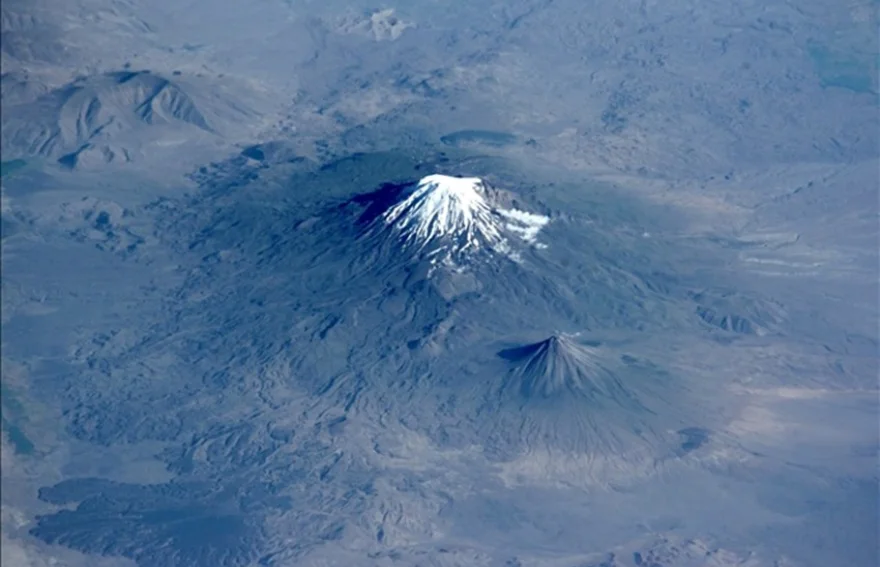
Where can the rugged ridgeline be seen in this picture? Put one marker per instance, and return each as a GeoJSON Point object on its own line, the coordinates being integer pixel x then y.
{"type": "Point", "coordinates": [120, 116]}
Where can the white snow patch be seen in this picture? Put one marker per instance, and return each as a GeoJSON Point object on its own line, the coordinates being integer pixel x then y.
{"type": "Point", "coordinates": [526, 225]}
{"type": "Point", "coordinates": [383, 25]}
{"type": "Point", "coordinates": [444, 206]}
{"type": "Point", "coordinates": [455, 215]}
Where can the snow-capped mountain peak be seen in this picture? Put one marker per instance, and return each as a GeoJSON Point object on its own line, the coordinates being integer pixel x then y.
{"type": "Point", "coordinates": [457, 215]}
{"type": "Point", "coordinates": [444, 207]}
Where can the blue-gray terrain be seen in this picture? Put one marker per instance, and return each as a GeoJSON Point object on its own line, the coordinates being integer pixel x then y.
{"type": "Point", "coordinates": [529, 283]}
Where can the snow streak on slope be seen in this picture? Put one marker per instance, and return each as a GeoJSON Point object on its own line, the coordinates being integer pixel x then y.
{"type": "Point", "coordinates": [451, 217]}
{"type": "Point", "coordinates": [446, 207]}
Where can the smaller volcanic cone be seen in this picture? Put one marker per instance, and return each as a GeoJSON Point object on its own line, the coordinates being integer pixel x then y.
{"type": "Point", "coordinates": [561, 394]}
{"type": "Point", "coordinates": [558, 366]}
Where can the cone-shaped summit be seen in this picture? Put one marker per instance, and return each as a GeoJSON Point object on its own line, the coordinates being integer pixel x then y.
{"type": "Point", "coordinates": [564, 394]}
{"type": "Point", "coordinates": [448, 218]}
{"type": "Point", "coordinates": [442, 207]}
{"type": "Point", "coordinates": [559, 365]}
